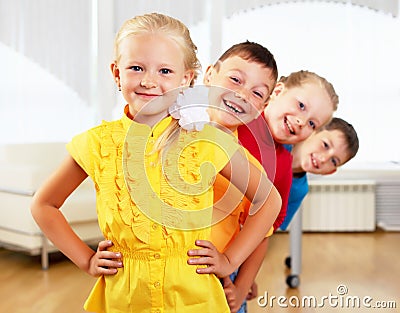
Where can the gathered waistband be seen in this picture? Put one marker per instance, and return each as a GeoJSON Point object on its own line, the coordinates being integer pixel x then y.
{"type": "Point", "coordinates": [151, 254]}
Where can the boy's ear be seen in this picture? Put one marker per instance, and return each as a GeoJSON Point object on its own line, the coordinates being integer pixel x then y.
{"type": "Point", "coordinates": [208, 74]}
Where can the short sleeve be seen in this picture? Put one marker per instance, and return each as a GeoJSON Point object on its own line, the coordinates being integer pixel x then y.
{"type": "Point", "coordinates": [81, 150]}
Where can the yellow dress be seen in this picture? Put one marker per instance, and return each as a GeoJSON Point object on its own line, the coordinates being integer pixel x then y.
{"type": "Point", "coordinates": [155, 276]}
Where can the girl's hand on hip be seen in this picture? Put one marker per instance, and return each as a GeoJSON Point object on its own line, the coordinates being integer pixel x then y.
{"type": "Point", "coordinates": [105, 262]}
{"type": "Point", "coordinates": [217, 263]}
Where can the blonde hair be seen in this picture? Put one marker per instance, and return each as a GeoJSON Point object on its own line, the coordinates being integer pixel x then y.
{"type": "Point", "coordinates": [155, 23]}
{"type": "Point", "coordinates": [296, 79]}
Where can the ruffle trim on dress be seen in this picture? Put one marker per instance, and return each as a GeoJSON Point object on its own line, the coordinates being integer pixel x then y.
{"type": "Point", "coordinates": [183, 187]}
{"type": "Point", "coordinates": [111, 173]}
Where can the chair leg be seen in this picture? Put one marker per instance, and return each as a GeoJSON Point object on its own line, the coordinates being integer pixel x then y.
{"type": "Point", "coordinates": [295, 242]}
{"type": "Point", "coordinates": [45, 253]}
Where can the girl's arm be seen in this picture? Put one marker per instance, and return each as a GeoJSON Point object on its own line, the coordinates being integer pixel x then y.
{"type": "Point", "coordinates": [45, 210]}
{"type": "Point", "coordinates": [266, 202]}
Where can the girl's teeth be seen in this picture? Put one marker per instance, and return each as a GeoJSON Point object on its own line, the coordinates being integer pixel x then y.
{"type": "Point", "coordinates": [289, 127]}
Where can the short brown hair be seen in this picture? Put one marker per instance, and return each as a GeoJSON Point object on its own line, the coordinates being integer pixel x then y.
{"type": "Point", "coordinates": [251, 51]}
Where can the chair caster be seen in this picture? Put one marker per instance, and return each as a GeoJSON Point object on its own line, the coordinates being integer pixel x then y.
{"type": "Point", "coordinates": [293, 281]}
{"type": "Point", "coordinates": [288, 262]}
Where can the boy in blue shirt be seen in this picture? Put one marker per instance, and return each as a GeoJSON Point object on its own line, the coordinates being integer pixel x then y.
{"type": "Point", "coordinates": [322, 153]}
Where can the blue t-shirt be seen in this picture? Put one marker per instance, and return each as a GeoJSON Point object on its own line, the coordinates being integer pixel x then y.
{"type": "Point", "coordinates": [298, 191]}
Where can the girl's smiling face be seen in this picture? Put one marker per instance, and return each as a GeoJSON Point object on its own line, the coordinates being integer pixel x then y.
{"type": "Point", "coordinates": [292, 114]}
{"type": "Point", "coordinates": [148, 66]}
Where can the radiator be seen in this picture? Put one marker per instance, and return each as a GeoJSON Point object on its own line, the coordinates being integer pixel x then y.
{"type": "Point", "coordinates": [339, 205]}
{"type": "Point", "coordinates": [388, 205]}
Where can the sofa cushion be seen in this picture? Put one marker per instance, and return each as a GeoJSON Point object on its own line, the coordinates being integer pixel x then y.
{"type": "Point", "coordinates": [23, 169]}
{"type": "Point", "coordinates": [38, 154]}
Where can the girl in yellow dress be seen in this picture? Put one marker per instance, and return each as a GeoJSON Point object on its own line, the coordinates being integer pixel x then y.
{"type": "Point", "coordinates": [154, 194]}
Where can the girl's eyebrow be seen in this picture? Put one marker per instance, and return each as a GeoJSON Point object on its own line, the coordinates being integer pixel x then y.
{"type": "Point", "coordinates": [167, 65]}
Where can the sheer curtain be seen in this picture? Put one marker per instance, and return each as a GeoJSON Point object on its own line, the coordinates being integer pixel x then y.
{"type": "Point", "coordinates": [56, 34]}
{"type": "Point", "coordinates": [352, 46]}
{"type": "Point", "coordinates": [387, 6]}
{"type": "Point", "coordinates": [45, 51]}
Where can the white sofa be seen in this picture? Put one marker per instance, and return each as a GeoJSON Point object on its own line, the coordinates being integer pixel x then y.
{"type": "Point", "coordinates": [23, 168]}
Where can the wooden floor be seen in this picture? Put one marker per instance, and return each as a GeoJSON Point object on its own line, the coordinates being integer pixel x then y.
{"type": "Point", "coordinates": [364, 264]}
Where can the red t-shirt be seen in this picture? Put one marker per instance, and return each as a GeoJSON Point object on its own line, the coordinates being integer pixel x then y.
{"type": "Point", "coordinates": [276, 160]}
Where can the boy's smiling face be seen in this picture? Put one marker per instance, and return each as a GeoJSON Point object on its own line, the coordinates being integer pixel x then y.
{"type": "Point", "coordinates": [323, 152]}
{"type": "Point", "coordinates": [246, 87]}
{"type": "Point", "coordinates": [292, 114]}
